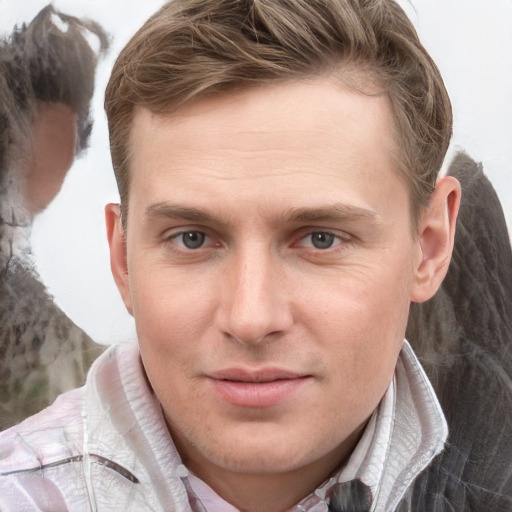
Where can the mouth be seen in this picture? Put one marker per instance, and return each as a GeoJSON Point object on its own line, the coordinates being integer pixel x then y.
{"type": "Point", "coordinates": [262, 388]}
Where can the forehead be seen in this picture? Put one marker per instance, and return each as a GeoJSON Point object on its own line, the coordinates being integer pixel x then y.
{"type": "Point", "coordinates": [264, 109]}
{"type": "Point", "coordinates": [308, 139]}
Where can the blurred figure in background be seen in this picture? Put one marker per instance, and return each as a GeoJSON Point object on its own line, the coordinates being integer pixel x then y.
{"type": "Point", "coordinates": [46, 83]}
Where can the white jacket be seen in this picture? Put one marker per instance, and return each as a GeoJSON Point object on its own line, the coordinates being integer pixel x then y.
{"type": "Point", "coordinates": [105, 447]}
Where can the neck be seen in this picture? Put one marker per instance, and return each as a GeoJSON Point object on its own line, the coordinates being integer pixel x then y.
{"type": "Point", "coordinates": [267, 492]}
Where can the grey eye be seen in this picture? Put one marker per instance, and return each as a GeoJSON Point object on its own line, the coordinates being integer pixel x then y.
{"type": "Point", "coordinates": [322, 240]}
{"type": "Point", "coordinates": [193, 239]}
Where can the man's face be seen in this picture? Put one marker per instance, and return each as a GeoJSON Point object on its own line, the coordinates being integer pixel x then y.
{"type": "Point", "coordinates": [270, 264]}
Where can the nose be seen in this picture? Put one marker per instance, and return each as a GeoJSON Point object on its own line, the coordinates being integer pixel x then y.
{"type": "Point", "coordinates": [254, 305]}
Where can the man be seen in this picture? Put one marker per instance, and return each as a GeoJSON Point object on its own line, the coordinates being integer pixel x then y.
{"type": "Point", "coordinates": [277, 165]}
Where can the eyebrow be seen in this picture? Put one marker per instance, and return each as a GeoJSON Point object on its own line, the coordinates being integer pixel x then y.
{"type": "Point", "coordinates": [173, 211]}
{"type": "Point", "coordinates": [334, 212]}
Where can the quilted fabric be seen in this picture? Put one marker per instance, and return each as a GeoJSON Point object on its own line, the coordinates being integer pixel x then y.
{"type": "Point", "coordinates": [463, 337]}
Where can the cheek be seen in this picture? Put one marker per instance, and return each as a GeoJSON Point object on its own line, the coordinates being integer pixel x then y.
{"type": "Point", "coordinates": [369, 298]}
{"type": "Point", "coordinates": [168, 323]}
{"type": "Point", "coordinates": [169, 312]}
{"type": "Point", "coordinates": [361, 316]}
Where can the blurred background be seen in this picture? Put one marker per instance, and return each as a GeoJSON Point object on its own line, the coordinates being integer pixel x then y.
{"type": "Point", "coordinates": [472, 46]}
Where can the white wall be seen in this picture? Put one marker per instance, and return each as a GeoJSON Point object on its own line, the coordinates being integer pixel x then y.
{"type": "Point", "coordinates": [470, 40]}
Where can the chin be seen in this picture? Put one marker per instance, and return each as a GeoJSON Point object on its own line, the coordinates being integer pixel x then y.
{"type": "Point", "coordinates": [261, 460]}
{"type": "Point", "coordinates": [267, 451]}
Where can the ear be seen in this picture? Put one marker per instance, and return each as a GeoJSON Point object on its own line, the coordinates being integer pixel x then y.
{"type": "Point", "coordinates": [118, 257]}
{"type": "Point", "coordinates": [436, 234]}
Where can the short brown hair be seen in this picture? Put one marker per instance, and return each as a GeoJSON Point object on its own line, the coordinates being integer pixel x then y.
{"type": "Point", "coordinates": [194, 48]}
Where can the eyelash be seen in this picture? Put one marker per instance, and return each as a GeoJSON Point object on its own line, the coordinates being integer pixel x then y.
{"type": "Point", "coordinates": [339, 242]}
{"type": "Point", "coordinates": [175, 236]}
{"type": "Point", "coordinates": [336, 241]}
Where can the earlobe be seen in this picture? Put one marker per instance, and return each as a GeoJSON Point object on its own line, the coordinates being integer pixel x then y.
{"type": "Point", "coordinates": [118, 258]}
{"type": "Point", "coordinates": [436, 235]}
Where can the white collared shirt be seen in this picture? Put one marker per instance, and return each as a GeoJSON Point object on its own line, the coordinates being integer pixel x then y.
{"type": "Point", "coordinates": [402, 436]}
{"type": "Point", "coordinates": [106, 447]}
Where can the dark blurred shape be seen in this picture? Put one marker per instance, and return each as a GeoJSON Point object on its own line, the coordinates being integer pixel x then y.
{"type": "Point", "coordinates": [352, 496]}
{"type": "Point", "coordinates": [41, 63]}
{"type": "Point", "coordinates": [46, 83]}
{"type": "Point", "coordinates": [463, 337]}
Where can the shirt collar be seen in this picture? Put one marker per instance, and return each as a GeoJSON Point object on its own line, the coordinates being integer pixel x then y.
{"type": "Point", "coordinates": [404, 434]}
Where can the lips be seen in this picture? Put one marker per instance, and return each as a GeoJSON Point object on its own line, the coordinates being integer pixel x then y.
{"type": "Point", "coordinates": [262, 388]}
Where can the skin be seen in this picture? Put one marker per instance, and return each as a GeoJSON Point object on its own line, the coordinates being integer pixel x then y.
{"type": "Point", "coordinates": [263, 174]}
{"type": "Point", "coordinates": [50, 154]}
